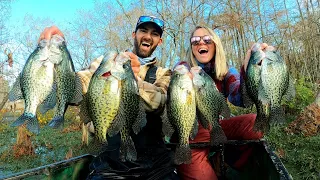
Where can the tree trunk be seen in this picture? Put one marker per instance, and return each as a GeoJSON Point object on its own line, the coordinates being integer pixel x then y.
{"type": "Point", "coordinates": [4, 100]}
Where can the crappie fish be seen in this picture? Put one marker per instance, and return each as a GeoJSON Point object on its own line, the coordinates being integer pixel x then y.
{"type": "Point", "coordinates": [250, 89]}
{"type": "Point", "coordinates": [114, 103]}
{"type": "Point", "coordinates": [210, 104]}
{"type": "Point", "coordinates": [103, 99]}
{"type": "Point", "coordinates": [267, 80]}
{"type": "Point", "coordinates": [34, 85]}
{"type": "Point", "coordinates": [69, 88]}
{"type": "Point", "coordinates": [180, 113]}
{"type": "Point", "coordinates": [275, 84]}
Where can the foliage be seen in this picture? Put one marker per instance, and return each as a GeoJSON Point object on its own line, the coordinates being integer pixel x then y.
{"type": "Point", "coordinates": [49, 146]}
{"type": "Point", "coordinates": [300, 155]}
{"type": "Point", "coordinates": [304, 96]}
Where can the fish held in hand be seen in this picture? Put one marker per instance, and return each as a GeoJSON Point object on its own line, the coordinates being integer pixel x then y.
{"type": "Point", "coordinates": [114, 104]}
{"type": "Point", "coordinates": [267, 82]}
{"type": "Point", "coordinates": [69, 87]}
{"type": "Point", "coordinates": [210, 104]}
{"type": "Point", "coordinates": [34, 85]}
{"type": "Point", "coordinates": [180, 113]}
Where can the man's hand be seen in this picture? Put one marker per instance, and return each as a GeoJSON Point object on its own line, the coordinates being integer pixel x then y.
{"type": "Point", "coordinates": [135, 63]}
{"type": "Point", "coordinates": [48, 32]}
{"type": "Point", "coordinates": [256, 47]}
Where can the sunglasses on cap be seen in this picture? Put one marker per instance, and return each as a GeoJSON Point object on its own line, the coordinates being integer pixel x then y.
{"type": "Point", "coordinates": [195, 40]}
{"type": "Point", "coordinates": [143, 19]}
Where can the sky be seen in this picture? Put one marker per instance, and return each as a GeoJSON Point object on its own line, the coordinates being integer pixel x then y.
{"type": "Point", "coordinates": [56, 10]}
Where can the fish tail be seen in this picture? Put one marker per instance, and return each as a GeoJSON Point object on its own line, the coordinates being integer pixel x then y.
{"type": "Point", "coordinates": [24, 117]}
{"type": "Point", "coordinates": [277, 115]}
{"type": "Point", "coordinates": [101, 135]}
{"type": "Point", "coordinates": [261, 123]}
{"type": "Point", "coordinates": [194, 130]}
{"type": "Point", "coordinates": [217, 136]}
{"type": "Point", "coordinates": [33, 125]}
{"type": "Point", "coordinates": [182, 154]}
{"type": "Point", "coordinates": [167, 127]}
{"type": "Point", "coordinates": [127, 149]}
{"type": "Point", "coordinates": [56, 122]}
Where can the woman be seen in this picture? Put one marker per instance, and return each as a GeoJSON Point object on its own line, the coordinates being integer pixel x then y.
{"type": "Point", "coordinates": [206, 51]}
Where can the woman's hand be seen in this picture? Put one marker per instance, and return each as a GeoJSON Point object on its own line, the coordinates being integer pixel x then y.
{"type": "Point", "coordinates": [48, 32]}
{"type": "Point", "coordinates": [135, 63]}
{"type": "Point", "coordinates": [255, 47]}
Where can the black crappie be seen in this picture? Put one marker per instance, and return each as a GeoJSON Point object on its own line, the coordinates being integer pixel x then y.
{"type": "Point", "coordinates": [69, 88]}
{"type": "Point", "coordinates": [210, 104]}
{"type": "Point", "coordinates": [267, 80]}
{"type": "Point", "coordinates": [39, 82]}
{"type": "Point", "coordinates": [275, 83]}
{"type": "Point", "coordinates": [114, 103]}
{"type": "Point", "coordinates": [251, 89]}
{"type": "Point", "coordinates": [103, 99]}
{"type": "Point", "coordinates": [180, 113]}
{"type": "Point", "coordinates": [34, 85]}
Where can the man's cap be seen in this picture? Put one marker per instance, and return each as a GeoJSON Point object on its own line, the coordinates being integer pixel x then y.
{"type": "Point", "coordinates": [159, 24]}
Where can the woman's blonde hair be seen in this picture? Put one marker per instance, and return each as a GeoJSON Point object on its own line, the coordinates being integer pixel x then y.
{"type": "Point", "coordinates": [220, 64]}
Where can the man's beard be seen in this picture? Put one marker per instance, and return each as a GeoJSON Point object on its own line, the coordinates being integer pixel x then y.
{"type": "Point", "coordinates": [140, 53]}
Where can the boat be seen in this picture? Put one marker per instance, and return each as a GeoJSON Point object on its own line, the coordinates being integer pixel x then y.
{"type": "Point", "coordinates": [263, 164]}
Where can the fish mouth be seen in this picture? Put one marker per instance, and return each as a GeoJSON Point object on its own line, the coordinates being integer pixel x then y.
{"type": "Point", "coordinates": [260, 62]}
{"type": "Point", "coordinates": [106, 74]}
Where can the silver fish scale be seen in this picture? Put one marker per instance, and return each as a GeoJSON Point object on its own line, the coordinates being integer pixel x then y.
{"type": "Point", "coordinates": [65, 81]}
{"type": "Point", "coordinates": [211, 103]}
{"type": "Point", "coordinates": [252, 83]}
{"type": "Point", "coordinates": [103, 104]}
{"type": "Point", "coordinates": [182, 108]}
{"type": "Point", "coordinates": [37, 81]}
{"type": "Point", "coordinates": [274, 84]}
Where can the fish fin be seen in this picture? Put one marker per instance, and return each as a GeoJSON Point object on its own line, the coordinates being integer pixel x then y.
{"type": "Point", "coordinates": [167, 128]}
{"type": "Point", "coordinates": [277, 115]}
{"type": "Point", "coordinates": [33, 125]}
{"type": "Point", "coordinates": [57, 122]}
{"type": "Point", "coordinates": [119, 121]}
{"type": "Point", "coordinates": [262, 96]}
{"type": "Point", "coordinates": [262, 120]}
{"type": "Point", "coordinates": [102, 136]}
{"type": "Point", "coordinates": [77, 94]}
{"type": "Point", "coordinates": [23, 118]}
{"type": "Point", "coordinates": [50, 101]}
{"type": "Point", "coordinates": [204, 122]}
{"type": "Point", "coordinates": [127, 149]}
{"type": "Point", "coordinates": [247, 101]}
{"type": "Point", "coordinates": [141, 119]}
{"type": "Point", "coordinates": [194, 130]}
{"type": "Point", "coordinates": [182, 154]}
{"type": "Point", "coordinates": [84, 114]}
{"type": "Point", "coordinates": [290, 92]}
{"type": "Point", "coordinates": [217, 135]}
{"type": "Point", "coordinates": [15, 92]}
{"type": "Point", "coordinates": [96, 147]}
{"type": "Point", "coordinates": [225, 110]}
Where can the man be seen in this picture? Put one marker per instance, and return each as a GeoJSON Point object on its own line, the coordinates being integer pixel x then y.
{"type": "Point", "coordinates": [154, 159]}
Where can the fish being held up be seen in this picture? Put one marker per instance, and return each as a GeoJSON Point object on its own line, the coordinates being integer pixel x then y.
{"type": "Point", "coordinates": [180, 113]}
{"type": "Point", "coordinates": [69, 87]}
{"type": "Point", "coordinates": [114, 104]}
{"type": "Point", "coordinates": [34, 84]}
{"type": "Point", "coordinates": [210, 104]}
{"type": "Point", "coordinates": [46, 81]}
{"type": "Point", "coordinates": [267, 82]}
